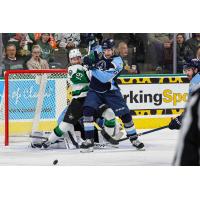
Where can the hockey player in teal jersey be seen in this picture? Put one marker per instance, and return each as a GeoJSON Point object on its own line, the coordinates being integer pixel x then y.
{"type": "Point", "coordinates": [103, 89]}
{"type": "Point", "coordinates": [191, 69]}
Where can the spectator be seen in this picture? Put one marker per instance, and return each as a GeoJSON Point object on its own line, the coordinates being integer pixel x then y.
{"type": "Point", "coordinates": [52, 42]}
{"type": "Point", "coordinates": [184, 53]}
{"type": "Point", "coordinates": [36, 62]}
{"type": "Point", "coordinates": [47, 51]}
{"type": "Point", "coordinates": [22, 42]}
{"type": "Point", "coordinates": [11, 61]}
{"type": "Point", "coordinates": [118, 37]}
{"type": "Point", "coordinates": [123, 51]}
{"type": "Point", "coordinates": [85, 38]}
{"type": "Point", "coordinates": [23, 45]}
{"type": "Point", "coordinates": [94, 39]}
{"type": "Point", "coordinates": [193, 43]}
{"type": "Point", "coordinates": [6, 37]}
{"type": "Point", "coordinates": [160, 50]}
{"type": "Point", "coordinates": [137, 43]}
{"type": "Point", "coordinates": [65, 42]}
{"type": "Point", "coordinates": [68, 40]}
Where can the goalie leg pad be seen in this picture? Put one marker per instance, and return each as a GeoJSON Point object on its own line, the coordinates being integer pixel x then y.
{"type": "Point", "coordinates": [57, 133]}
{"type": "Point", "coordinates": [53, 137]}
{"type": "Point", "coordinates": [108, 114]}
{"type": "Point", "coordinates": [65, 127]}
{"type": "Point", "coordinates": [109, 124]}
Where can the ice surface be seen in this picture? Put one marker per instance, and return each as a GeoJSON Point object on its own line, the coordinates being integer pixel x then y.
{"type": "Point", "coordinates": [160, 149]}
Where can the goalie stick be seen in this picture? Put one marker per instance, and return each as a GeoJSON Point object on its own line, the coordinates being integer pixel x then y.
{"type": "Point", "coordinates": [39, 137]}
{"type": "Point", "coordinates": [73, 140]}
{"type": "Point", "coordinates": [57, 141]}
{"type": "Point", "coordinates": [116, 142]}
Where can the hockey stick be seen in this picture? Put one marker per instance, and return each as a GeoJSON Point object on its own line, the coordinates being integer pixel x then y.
{"type": "Point", "coordinates": [116, 142]}
{"type": "Point", "coordinates": [89, 47]}
{"type": "Point", "coordinates": [39, 137]}
{"type": "Point", "coordinates": [58, 141]}
{"type": "Point", "coordinates": [73, 140]}
{"type": "Point", "coordinates": [46, 139]}
{"type": "Point", "coordinates": [144, 133]}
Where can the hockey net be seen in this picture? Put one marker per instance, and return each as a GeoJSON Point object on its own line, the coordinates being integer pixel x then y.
{"type": "Point", "coordinates": [32, 100]}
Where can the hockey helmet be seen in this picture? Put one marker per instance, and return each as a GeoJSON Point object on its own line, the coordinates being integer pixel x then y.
{"type": "Point", "coordinates": [74, 53]}
{"type": "Point", "coordinates": [108, 44]}
{"type": "Point", "coordinates": [194, 63]}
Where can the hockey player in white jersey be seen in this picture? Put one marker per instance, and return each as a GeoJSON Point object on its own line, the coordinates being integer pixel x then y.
{"type": "Point", "coordinates": [79, 80]}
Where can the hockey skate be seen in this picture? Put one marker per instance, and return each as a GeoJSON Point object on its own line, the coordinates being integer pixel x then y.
{"type": "Point", "coordinates": [87, 146]}
{"type": "Point", "coordinates": [38, 145]}
{"type": "Point", "coordinates": [136, 143]}
{"type": "Point", "coordinates": [37, 139]}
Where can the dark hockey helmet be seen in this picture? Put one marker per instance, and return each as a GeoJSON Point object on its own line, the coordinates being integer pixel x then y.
{"type": "Point", "coordinates": [108, 44]}
{"type": "Point", "coordinates": [194, 63]}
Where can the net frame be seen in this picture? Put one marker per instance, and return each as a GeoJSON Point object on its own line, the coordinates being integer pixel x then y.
{"type": "Point", "coordinates": [6, 93]}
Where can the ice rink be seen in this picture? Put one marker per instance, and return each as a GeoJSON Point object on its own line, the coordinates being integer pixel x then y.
{"type": "Point", "coordinates": [159, 151]}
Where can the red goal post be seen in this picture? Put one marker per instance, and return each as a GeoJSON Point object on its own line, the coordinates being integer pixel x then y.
{"type": "Point", "coordinates": [38, 81]}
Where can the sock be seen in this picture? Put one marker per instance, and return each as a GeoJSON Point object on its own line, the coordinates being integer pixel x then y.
{"type": "Point", "coordinates": [129, 125]}
{"type": "Point", "coordinates": [130, 128]}
{"type": "Point", "coordinates": [88, 122]}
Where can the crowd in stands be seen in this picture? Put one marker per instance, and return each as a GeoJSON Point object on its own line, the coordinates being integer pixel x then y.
{"type": "Point", "coordinates": [142, 53]}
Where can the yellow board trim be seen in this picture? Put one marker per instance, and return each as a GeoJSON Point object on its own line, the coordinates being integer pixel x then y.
{"type": "Point", "coordinates": [151, 123]}
{"type": "Point", "coordinates": [20, 128]}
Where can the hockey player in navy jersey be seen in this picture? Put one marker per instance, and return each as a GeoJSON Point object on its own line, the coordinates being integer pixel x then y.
{"type": "Point", "coordinates": [105, 68]}
{"type": "Point", "coordinates": [192, 71]}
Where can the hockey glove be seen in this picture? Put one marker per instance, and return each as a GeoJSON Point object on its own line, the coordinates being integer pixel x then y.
{"type": "Point", "coordinates": [90, 59]}
{"type": "Point", "coordinates": [176, 123]}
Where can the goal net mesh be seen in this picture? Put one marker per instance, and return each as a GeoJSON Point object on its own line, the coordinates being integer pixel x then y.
{"type": "Point", "coordinates": [34, 102]}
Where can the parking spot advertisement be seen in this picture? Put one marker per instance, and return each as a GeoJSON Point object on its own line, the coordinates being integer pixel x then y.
{"type": "Point", "coordinates": [152, 100]}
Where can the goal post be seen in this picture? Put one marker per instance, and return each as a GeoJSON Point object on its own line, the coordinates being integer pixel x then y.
{"type": "Point", "coordinates": [33, 100]}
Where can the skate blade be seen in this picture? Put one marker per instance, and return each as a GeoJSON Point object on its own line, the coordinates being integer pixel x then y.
{"type": "Point", "coordinates": [87, 150]}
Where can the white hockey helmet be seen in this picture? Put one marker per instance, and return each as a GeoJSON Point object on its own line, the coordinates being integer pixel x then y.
{"type": "Point", "coordinates": [74, 53]}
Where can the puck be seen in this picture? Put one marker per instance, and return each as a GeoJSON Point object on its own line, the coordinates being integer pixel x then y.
{"type": "Point", "coordinates": [55, 162]}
